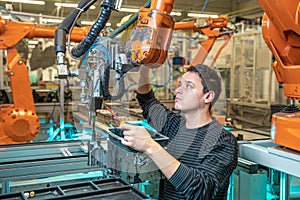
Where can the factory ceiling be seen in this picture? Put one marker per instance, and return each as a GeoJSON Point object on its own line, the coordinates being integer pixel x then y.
{"type": "Point", "coordinates": [50, 9]}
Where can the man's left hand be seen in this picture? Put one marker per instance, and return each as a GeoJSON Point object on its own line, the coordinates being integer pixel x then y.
{"type": "Point", "coordinates": [136, 137]}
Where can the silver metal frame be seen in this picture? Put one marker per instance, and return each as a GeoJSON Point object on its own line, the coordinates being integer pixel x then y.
{"type": "Point", "coordinates": [29, 161]}
{"type": "Point", "coordinates": [269, 154]}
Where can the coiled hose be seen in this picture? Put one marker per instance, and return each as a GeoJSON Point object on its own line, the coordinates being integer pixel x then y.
{"type": "Point", "coordinates": [105, 85]}
{"type": "Point", "coordinates": [95, 30]}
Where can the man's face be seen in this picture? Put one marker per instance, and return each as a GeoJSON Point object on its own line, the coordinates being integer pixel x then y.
{"type": "Point", "coordinates": [189, 94]}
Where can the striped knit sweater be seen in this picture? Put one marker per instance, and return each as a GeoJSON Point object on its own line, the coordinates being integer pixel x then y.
{"type": "Point", "coordinates": [208, 154]}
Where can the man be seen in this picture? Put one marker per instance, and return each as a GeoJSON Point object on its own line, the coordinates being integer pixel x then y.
{"type": "Point", "coordinates": [200, 155]}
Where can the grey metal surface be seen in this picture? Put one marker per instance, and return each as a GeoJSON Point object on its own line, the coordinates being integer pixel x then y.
{"type": "Point", "coordinates": [42, 160]}
{"type": "Point", "coordinates": [108, 188]}
{"type": "Point", "coordinates": [34, 151]}
{"type": "Point", "coordinates": [250, 186]}
{"type": "Point", "coordinates": [267, 153]}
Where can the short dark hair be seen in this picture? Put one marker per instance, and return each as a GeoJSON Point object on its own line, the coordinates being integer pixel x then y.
{"type": "Point", "coordinates": [211, 81]}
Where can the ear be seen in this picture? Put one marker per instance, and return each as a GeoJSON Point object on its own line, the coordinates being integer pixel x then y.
{"type": "Point", "coordinates": [209, 96]}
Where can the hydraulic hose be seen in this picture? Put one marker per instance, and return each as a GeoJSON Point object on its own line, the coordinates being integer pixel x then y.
{"type": "Point", "coordinates": [67, 23]}
{"type": "Point", "coordinates": [84, 45]}
{"type": "Point", "coordinates": [105, 86]}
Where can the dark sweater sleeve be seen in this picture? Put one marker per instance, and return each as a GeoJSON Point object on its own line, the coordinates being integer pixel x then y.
{"type": "Point", "coordinates": [145, 101]}
{"type": "Point", "coordinates": [210, 181]}
{"type": "Point", "coordinates": [157, 114]}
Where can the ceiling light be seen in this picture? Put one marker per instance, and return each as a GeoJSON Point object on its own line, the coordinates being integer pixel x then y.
{"type": "Point", "coordinates": [33, 42]}
{"type": "Point", "coordinates": [133, 10]}
{"type": "Point", "coordinates": [5, 17]}
{"type": "Point", "coordinates": [89, 23]}
{"type": "Point", "coordinates": [26, 1]}
{"type": "Point", "coordinates": [23, 18]}
{"type": "Point", "coordinates": [175, 13]}
{"type": "Point", "coordinates": [49, 20]}
{"type": "Point", "coordinates": [201, 15]}
{"type": "Point", "coordinates": [31, 46]}
{"type": "Point", "coordinates": [70, 5]}
{"type": "Point", "coordinates": [32, 19]}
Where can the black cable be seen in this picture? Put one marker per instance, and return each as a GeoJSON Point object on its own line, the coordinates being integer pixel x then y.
{"type": "Point", "coordinates": [105, 86]}
{"type": "Point", "coordinates": [3, 9]}
{"type": "Point", "coordinates": [95, 30]}
{"type": "Point", "coordinates": [52, 114]}
{"type": "Point", "coordinates": [67, 104]}
{"type": "Point", "coordinates": [67, 23]}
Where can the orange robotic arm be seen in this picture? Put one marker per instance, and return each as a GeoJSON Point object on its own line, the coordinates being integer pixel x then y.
{"type": "Point", "coordinates": [19, 122]}
{"type": "Point", "coordinates": [213, 29]}
{"type": "Point", "coordinates": [149, 46]}
{"type": "Point", "coordinates": [281, 32]}
{"type": "Point", "coordinates": [151, 38]}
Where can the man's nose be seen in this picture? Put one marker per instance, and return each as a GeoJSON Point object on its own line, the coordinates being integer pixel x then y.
{"type": "Point", "coordinates": [179, 90]}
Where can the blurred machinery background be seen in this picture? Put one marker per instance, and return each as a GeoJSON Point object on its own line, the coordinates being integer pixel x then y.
{"type": "Point", "coordinates": [71, 149]}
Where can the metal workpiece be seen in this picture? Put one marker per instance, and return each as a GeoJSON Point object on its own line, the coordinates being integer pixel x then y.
{"type": "Point", "coordinates": [119, 160]}
{"type": "Point", "coordinates": [133, 167]}
{"type": "Point", "coordinates": [97, 153]}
